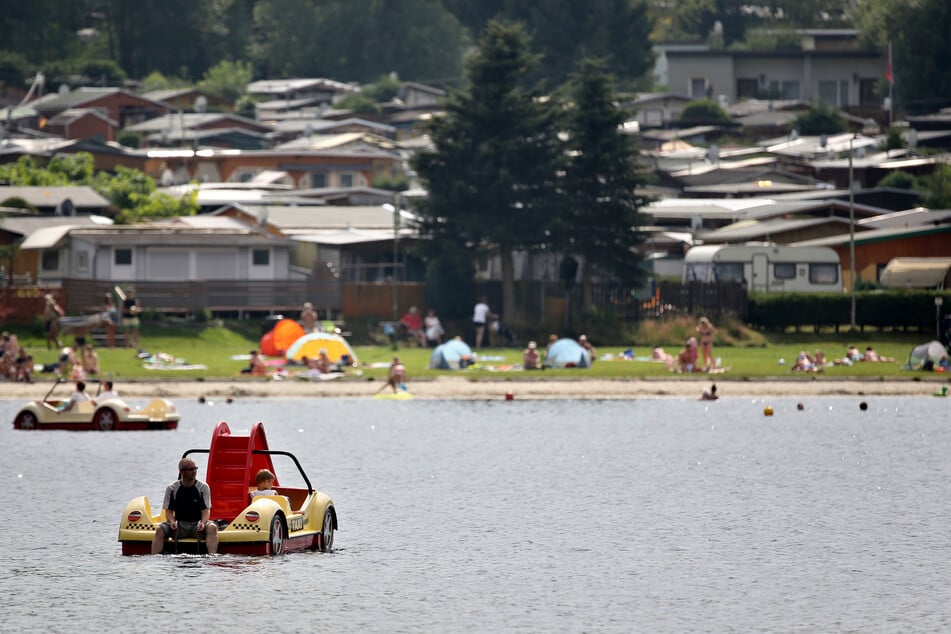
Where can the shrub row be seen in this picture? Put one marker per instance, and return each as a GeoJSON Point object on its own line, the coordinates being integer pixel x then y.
{"type": "Point", "coordinates": [898, 310]}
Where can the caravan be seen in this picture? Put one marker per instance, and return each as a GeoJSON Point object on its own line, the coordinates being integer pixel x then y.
{"type": "Point", "coordinates": [766, 268]}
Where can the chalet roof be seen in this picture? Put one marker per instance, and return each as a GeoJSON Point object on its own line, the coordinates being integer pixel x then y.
{"type": "Point", "coordinates": [343, 140]}
{"type": "Point", "coordinates": [82, 197]}
{"type": "Point", "coordinates": [57, 102]}
{"type": "Point", "coordinates": [25, 225]}
{"type": "Point", "coordinates": [876, 235]}
{"type": "Point", "coordinates": [175, 93]}
{"type": "Point", "coordinates": [274, 106]}
{"type": "Point", "coordinates": [917, 217]}
{"type": "Point", "coordinates": [341, 237]}
{"type": "Point", "coordinates": [814, 147]}
{"type": "Point", "coordinates": [729, 210]}
{"type": "Point", "coordinates": [232, 138]}
{"type": "Point", "coordinates": [324, 126]}
{"type": "Point", "coordinates": [770, 230]}
{"type": "Point", "coordinates": [432, 90]}
{"type": "Point", "coordinates": [285, 86]}
{"type": "Point", "coordinates": [15, 113]}
{"type": "Point", "coordinates": [293, 220]}
{"type": "Point", "coordinates": [70, 115]}
{"type": "Point", "coordinates": [164, 233]}
{"type": "Point", "coordinates": [174, 123]}
{"type": "Point", "coordinates": [886, 198]}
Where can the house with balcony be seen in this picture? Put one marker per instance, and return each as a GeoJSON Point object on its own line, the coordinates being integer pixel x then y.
{"type": "Point", "coordinates": [828, 67]}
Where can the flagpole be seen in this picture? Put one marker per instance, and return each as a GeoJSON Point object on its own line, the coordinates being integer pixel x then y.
{"type": "Point", "coordinates": [891, 87]}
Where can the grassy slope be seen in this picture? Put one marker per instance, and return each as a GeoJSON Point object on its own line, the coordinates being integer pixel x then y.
{"type": "Point", "coordinates": [755, 357]}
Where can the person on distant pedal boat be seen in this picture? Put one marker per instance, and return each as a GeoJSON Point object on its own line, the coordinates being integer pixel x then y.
{"type": "Point", "coordinates": [76, 397]}
{"type": "Point", "coordinates": [187, 506]}
{"type": "Point", "coordinates": [107, 393]}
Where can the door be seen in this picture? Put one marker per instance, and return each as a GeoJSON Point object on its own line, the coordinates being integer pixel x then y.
{"type": "Point", "coordinates": [760, 273]}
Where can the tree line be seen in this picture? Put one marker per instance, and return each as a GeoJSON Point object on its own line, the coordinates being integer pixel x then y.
{"type": "Point", "coordinates": [108, 41]}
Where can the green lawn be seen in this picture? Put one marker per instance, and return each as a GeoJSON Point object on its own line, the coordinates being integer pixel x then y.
{"type": "Point", "coordinates": [214, 346]}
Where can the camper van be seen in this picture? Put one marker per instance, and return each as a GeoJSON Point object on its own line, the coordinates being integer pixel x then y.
{"type": "Point", "coordinates": [933, 273]}
{"type": "Point", "coordinates": [766, 268]}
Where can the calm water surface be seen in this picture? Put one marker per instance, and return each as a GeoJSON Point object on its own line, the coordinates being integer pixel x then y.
{"type": "Point", "coordinates": [613, 516]}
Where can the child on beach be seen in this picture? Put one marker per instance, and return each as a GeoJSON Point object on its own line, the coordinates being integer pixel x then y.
{"type": "Point", "coordinates": [396, 376]}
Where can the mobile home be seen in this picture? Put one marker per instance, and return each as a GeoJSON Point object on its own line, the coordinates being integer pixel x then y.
{"type": "Point", "coordinates": [933, 273]}
{"type": "Point", "coordinates": [766, 268]}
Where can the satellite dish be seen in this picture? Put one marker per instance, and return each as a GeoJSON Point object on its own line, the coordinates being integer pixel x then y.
{"type": "Point", "coordinates": [66, 208]}
{"type": "Point", "coordinates": [201, 103]}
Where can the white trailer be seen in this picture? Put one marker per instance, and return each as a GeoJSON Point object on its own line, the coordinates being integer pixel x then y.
{"type": "Point", "coordinates": [766, 268]}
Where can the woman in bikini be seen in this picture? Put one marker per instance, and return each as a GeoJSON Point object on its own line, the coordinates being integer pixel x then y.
{"type": "Point", "coordinates": [706, 330]}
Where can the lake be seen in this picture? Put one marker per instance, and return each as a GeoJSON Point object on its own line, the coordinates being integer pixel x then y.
{"type": "Point", "coordinates": [519, 516]}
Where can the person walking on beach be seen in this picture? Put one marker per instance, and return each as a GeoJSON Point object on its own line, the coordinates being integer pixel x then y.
{"type": "Point", "coordinates": [130, 318]}
{"type": "Point", "coordinates": [481, 314]}
{"type": "Point", "coordinates": [706, 331]}
{"type": "Point", "coordinates": [396, 377]}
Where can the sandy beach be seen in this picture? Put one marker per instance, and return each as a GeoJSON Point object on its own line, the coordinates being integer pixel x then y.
{"type": "Point", "coordinates": [487, 389]}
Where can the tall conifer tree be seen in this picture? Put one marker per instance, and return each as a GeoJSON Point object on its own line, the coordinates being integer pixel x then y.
{"type": "Point", "coordinates": [492, 176]}
{"type": "Point", "coordinates": [602, 222]}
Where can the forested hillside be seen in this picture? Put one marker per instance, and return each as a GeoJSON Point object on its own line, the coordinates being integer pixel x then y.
{"type": "Point", "coordinates": [106, 42]}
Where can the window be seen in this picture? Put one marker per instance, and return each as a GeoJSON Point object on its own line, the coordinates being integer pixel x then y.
{"type": "Point", "coordinates": [784, 271]}
{"type": "Point", "coordinates": [868, 90]}
{"type": "Point", "coordinates": [82, 261]}
{"type": "Point", "coordinates": [791, 90]}
{"type": "Point", "coordinates": [50, 260]}
{"type": "Point", "coordinates": [318, 180]}
{"type": "Point", "coordinates": [122, 257]}
{"type": "Point", "coordinates": [728, 272]}
{"type": "Point", "coordinates": [698, 272]}
{"type": "Point", "coordinates": [346, 180]}
{"type": "Point", "coordinates": [785, 89]}
{"type": "Point", "coordinates": [746, 88]}
{"type": "Point", "coordinates": [823, 274]}
{"type": "Point", "coordinates": [261, 257]}
{"type": "Point", "coordinates": [698, 87]}
{"type": "Point", "coordinates": [828, 91]}
{"type": "Point", "coordinates": [844, 92]}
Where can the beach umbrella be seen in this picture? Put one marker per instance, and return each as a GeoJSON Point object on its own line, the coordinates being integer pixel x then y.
{"type": "Point", "coordinates": [281, 337]}
{"type": "Point", "coordinates": [568, 353]}
{"type": "Point", "coordinates": [311, 344]}
{"type": "Point", "coordinates": [455, 354]}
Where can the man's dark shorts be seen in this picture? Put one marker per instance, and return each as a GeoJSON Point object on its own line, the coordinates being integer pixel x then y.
{"type": "Point", "coordinates": [185, 530]}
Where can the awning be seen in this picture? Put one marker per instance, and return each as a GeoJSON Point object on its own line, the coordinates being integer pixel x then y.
{"type": "Point", "coordinates": [47, 237]}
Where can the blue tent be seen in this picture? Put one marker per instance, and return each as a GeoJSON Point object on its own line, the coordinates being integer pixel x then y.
{"type": "Point", "coordinates": [455, 354]}
{"type": "Point", "coordinates": [567, 353]}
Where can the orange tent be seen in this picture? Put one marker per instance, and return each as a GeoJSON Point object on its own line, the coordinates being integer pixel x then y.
{"type": "Point", "coordinates": [279, 339]}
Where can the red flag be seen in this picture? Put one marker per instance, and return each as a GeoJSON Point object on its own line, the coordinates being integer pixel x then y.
{"type": "Point", "coordinates": [889, 72]}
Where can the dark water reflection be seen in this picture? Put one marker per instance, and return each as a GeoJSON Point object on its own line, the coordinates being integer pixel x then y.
{"type": "Point", "coordinates": [648, 515]}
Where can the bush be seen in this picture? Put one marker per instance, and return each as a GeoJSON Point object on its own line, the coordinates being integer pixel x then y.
{"type": "Point", "coordinates": [820, 120]}
{"type": "Point", "coordinates": [15, 202]}
{"type": "Point", "coordinates": [705, 111]}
